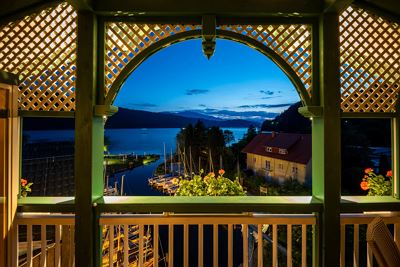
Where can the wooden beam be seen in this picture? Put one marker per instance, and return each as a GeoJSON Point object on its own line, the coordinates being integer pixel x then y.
{"type": "Point", "coordinates": [82, 5]}
{"type": "Point", "coordinates": [336, 5]}
{"type": "Point", "coordinates": [326, 134]}
{"type": "Point", "coordinates": [89, 141]}
{"type": "Point", "coordinates": [231, 7]}
{"type": "Point", "coordinates": [12, 10]}
{"type": "Point", "coordinates": [390, 14]}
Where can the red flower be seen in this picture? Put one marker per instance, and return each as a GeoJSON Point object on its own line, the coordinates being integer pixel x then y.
{"type": "Point", "coordinates": [211, 174]}
{"type": "Point", "coordinates": [221, 172]}
{"type": "Point", "coordinates": [23, 182]}
{"type": "Point", "coordinates": [368, 170]}
{"type": "Point", "coordinates": [389, 173]}
{"type": "Point", "coordinates": [364, 185]}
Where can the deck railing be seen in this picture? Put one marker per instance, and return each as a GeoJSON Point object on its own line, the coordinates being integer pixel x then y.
{"type": "Point", "coordinates": [353, 233]}
{"type": "Point", "coordinates": [183, 238]}
{"type": "Point", "coordinates": [44, 239]}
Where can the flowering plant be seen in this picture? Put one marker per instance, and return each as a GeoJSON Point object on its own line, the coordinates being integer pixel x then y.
{"type": "Point", "coordinates": [210, 185]}
{"type": "Point", "coordinates": [377, 184]}
{"type": "Point", "coordinates": [25, 187]}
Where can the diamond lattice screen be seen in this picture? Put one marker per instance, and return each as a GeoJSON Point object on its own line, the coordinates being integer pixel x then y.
{"type": "Point", "coordinates": [41, 48]}
{"type": "Point", "coordinates": [369, 62]}
{"type": "Point", "coordinates": [290, 42]}
{"type": "Point", "coordinates": [124, 41]}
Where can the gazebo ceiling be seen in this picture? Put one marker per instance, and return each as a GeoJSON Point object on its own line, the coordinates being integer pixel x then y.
{"type": "Point", "coordinates": [11, 8]}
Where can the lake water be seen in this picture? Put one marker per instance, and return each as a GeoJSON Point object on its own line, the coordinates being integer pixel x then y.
{"type": "Point", "coordinates": [137, 141]}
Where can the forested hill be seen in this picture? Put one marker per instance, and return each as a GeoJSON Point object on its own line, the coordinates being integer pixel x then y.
{"type": "Point", "coordinates": [128, 118]}
{"type": "Point", "coordinates": [289, 121]}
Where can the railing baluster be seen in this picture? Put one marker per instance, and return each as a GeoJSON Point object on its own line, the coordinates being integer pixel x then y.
{"type": "Point", "coordinates": [370, 257]}
{"type": "Point", "coordinates": [245, 234]}
{"type": "Point", "coordinates": [304, 245]}
{"type": "Point", "coordinates": [15, 244]}
{"type": "Point", "coordinates": [397, 234]}
{"type": "Point", "coordinates": [185, 245]}
{"type": "Point", "coordinates": [57, 248]}
{"type": "Point", "coordinates": [230, 245]}
{"type": "Point", "coordinates": [259, 246]}
{"type": "Point", "coordinates": [29, 248]}
{"type": "Point", "coordinates": [170, 245]}
{"type": "Point", "coordinates": [274, 245]}
{"type": "Point", "coordinates": [289, 259]}
{"type": "Point", "coordinates": [342, 244]}
{"type": "Point", "coordinates": [155, 245]}
{"type": "Point", "coordinates": [72, 244]}
{"type": "Point", "coordinates": [356, 246]}
{"type": "Point", "coordinates": [201, 245]}
{"type": "Point", "coordinates": [126, 245]}
{"type": "Point", "coordinates": [111, 246]}
{"type": "Point", "coordinates": [215, 245]}
{"type": "Point", "coordinates": [43, 245]}
{"type": "Point", "coordinates": [141, 244]}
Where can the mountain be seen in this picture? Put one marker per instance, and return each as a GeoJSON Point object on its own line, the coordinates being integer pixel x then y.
{"type": "Point", "coordinates": [289, 121]}
{"type": "Point", "coordinates": [128, 118]}
{"type": "Point", "coordinates": [194, 114]}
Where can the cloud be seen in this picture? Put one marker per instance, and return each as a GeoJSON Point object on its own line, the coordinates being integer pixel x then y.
{"type": "Point", "coordinates": [143, 105]}
{"type": "Point", "coordinates": [196, 91]}
{"type": "Point", "coordinates": [267, 92]}
{"type": "Point", "coordinates": [267, 105]}
{"type": "Point", "coordinates": [202, 105]}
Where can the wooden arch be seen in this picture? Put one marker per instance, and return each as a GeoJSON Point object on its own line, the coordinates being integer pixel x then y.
{"type": "Point", "coordinates": [193, 34]}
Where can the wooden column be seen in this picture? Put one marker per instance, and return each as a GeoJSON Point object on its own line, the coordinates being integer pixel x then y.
{"type": "Point", "coordinates": [326, 143]}
{"type": "Point", "coordinates": [396, 155]}
{"type": "Point", "coordinates": [9, 166]}
{"type": "Point", "coordinates": [89, 139]}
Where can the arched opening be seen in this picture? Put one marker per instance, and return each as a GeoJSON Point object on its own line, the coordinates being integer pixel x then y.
{"type": "Point", "coordinates": [187, 86]}
{"type": "Point", "coordinates": [195, 34]}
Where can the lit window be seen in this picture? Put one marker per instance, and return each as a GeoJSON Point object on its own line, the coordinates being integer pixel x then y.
{"type": "Point", "coordinates": [280, 166]}
{"type": "Point", "coordinates": [282, 151]}
{"type": "Point", "coordinates": [268, 165]}
{"type": "Point", "coordinates": [269, 149]}
{"type": "Point", "coordinates": [295, 170]}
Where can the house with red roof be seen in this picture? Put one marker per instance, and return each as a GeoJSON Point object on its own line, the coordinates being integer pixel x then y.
{"type": "Point", "coordinates": [280, 156]}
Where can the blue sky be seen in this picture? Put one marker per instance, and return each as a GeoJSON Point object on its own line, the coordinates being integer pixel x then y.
{"type": "Point", "coordinates": [237, 82]}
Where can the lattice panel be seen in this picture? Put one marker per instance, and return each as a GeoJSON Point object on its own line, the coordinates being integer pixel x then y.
{"type": "Point", "coordinates": [291, 42]}
{"type": "Point", "coordinates": [124, 41]}
{"type": "Point", "coordinates": [41, 48]}
{"type": "Point", "coordinates": [369, 62]}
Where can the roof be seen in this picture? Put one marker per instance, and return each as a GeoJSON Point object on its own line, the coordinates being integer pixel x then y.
{"type": "Point", "coordinates": [298, 146]}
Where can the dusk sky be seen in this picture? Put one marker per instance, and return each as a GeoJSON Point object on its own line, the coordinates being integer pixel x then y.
{"type": "Point", "coordinates": [237, 82]}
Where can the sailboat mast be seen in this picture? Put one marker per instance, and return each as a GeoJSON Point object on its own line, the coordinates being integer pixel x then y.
{"type": "Point", "coordinates": [190, 161]}
{"type": "Point", "coordinates": [184, 161]}
{"type": "Point", "coordinates": [165, 161]}
{"type": "Point", "coordinates": [171, 170]}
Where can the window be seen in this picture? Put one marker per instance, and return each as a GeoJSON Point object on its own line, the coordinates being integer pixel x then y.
{"type": "Point", "coordinates": [268, 165]}
{"type": "Point", "coordinates": [280, 166]}
{"type": "Point", "coordinates": [295, 170]}
{"type": "Point", "coordinates": [282, 151]}
{"type": "Point", "coordinates": [269, 149]}
{"type": "Point", "coordinates": [254, 160]}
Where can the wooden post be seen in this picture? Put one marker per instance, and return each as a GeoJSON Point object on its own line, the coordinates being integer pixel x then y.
{"type": "Point", "coordinates": [89, 140]}
{"type": "Point", "coordinates": [326, 144]}
{"type": "Point", "coordinates": [9, 166]}
{"type": "Point", "coordinates": [396, 155]}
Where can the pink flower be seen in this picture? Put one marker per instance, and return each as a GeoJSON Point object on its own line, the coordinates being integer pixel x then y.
{"type": "Point", "coordinates": [211, 174]}
{"type": "Point", "coordinates": [389, 173]}
{"type": "Point", "coordinates": [221, 172]}
{"type": "Point", "coordinates": [23, 182]}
